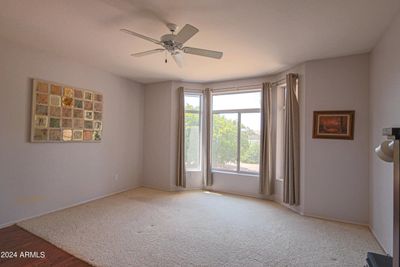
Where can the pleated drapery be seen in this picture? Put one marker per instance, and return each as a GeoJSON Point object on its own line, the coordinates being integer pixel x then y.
{"type": "Point", "coordinates": [180, 168]}
{"type": "Point", "coordinates": [266, 149]}
{"type": "Point", "coordinates": [291, 179]}
{"type": "Point", "coordinates": [208, 115]}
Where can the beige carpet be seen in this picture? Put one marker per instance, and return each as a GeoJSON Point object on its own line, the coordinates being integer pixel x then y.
{"type": "Point", "coordinates": [145, 227]}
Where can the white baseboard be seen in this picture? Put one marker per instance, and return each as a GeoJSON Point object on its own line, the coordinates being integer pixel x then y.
{"type": "Point", "coordinates": [377, 239]}
{"type": "Point", "coordinates": [334, 219]}
{"type": "Point", "coordinates": [291, 208]}
{"type": "Point", "coordinates": [161, 188]}
{"type": "Point", "coordinates": [66, 207]}
{"type": "Point", "coordinates": [189, 189]}
{"type": "Point", "coordinates": [259, 196]}
{"type": "Point", "coordinates": [172, 189]}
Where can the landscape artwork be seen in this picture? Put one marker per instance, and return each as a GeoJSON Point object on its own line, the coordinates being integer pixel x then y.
{"type": "Point", "coordinates": [66, 114]}
{"type": "Point", "coordinates": [333, 124]}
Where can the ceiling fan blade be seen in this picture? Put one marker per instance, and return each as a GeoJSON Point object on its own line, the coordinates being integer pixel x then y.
{"type": "Point", "coordinates": [185, 34]}
{"type": "Point", "coordinates": [145, 53]}
{"type": "Point", "coordinates": [202, 52]}
{"type": "Point", "coordinates": [141, 36]}
{"type": "Point", "coordinates": [178, 57]}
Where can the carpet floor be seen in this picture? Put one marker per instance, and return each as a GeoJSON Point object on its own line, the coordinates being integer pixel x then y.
{"type": "Point", "coordinates": [145, 227]}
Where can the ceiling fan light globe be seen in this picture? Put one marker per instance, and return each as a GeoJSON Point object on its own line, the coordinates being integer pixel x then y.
{"type": "Point", "coordinates": [385, 151]}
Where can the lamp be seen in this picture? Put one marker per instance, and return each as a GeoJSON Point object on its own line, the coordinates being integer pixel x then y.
{"type": "Point", "coordinates": [385, 151]}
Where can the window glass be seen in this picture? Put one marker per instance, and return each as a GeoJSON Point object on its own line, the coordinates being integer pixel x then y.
{"type": "Point", "coordinates": [192, 132]}
{"type": "Point", "coordinates": [250, 142]}
{"type": "Point", "coordinates": [249, 100]}
{"type": "Point", "coordinates": [192, 102]}
{"type": "Point", "coordinates": [236, 114]}
{"type": "Point", "coordinates": [224, 141]}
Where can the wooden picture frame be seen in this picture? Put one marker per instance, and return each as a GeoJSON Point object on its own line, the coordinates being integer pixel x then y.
{"type": "Point", "coordinates": [334, 124]}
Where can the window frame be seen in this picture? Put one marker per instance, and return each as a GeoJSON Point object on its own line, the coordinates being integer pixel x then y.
{"type": "Point", "coordinates": [200, 113]}
{"type": "Point", "coordinates": [239, 113]}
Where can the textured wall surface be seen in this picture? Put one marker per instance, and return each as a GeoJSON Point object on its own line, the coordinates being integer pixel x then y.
{"type": "Point", "coordinates": [38, 178]}
{"type": "Point", "coordinates": [384, 112]}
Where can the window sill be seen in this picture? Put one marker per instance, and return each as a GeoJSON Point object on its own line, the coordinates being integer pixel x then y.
{"type": "Point", "coordinates": [193, 170]}
{"type": "Point", "coordinates": [236, 173]}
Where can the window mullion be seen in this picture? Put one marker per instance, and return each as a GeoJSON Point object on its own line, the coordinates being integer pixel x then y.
{"type": "Point", "coordinates": [238, 141]}
{"type": "Point", "coordinates": [252, 110]}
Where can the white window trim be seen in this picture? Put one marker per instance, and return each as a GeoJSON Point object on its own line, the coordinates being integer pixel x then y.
{"type": "Point", "coordinates": [247, 174]}
{"type": "Point", "coordinates": [237, 90]}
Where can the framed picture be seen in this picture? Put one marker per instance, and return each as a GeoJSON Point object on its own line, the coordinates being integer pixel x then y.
{"type": "Point", "coordinates": [334, 124]}
{"type": "Point", "coordinates": [63, 113]}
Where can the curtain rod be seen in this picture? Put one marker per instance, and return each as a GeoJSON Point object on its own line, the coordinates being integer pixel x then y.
{"type": "Point", "coordinates": [249, 87]}
{"type": "Point", "coordinates": [278, 82]}
{"type": "Point", "coordinates": [254, 86]}
{"type": "Point", "coordinates": [237, 88]}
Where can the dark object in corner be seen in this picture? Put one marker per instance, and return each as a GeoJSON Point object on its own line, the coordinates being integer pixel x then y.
{"type": "Point", "coordinates": [394, 132]}
{"type": "Point", "coordinates": [378, 260]}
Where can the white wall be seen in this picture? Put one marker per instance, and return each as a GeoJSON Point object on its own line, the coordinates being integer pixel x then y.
{"type": "Point", "coordinates": [160, 136]}
{"type": "Point", "coordinates": [157, 154]}
{"type": "Point", "coordinates": [384, 112]}
{"type": "Point", "coordinates": [336, 170]}
{"type": "Point", "coordinates": [37, 178]}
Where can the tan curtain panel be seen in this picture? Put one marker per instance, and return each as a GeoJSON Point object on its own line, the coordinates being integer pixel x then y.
{"type": "Point", "coordinates": [291, 180]}
{"type": "Point", "coordinates": [180, 168]}
{"type": "Point", "coordinates": [266, 163]}
{"type": "Point", "coordinates": [208, 114]}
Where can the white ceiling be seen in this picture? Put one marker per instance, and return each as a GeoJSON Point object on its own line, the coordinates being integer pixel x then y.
{"type": "Point", "coordinates": [257, 37]}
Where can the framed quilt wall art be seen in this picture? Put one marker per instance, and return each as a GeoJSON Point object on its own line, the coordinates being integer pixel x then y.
{"type": "Point", "coordinates": [62, 113]}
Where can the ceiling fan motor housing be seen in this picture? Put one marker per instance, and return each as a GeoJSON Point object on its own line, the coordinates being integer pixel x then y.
{"type": "Point", "coordinates": [172, 27]}
{"type": "Point", "coordinates": [168, 41]}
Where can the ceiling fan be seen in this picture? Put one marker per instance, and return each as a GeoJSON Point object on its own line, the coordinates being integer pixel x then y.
{"type": "Point", "coordinates": [173, 43]}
